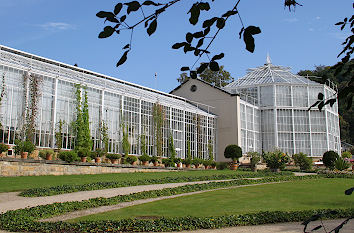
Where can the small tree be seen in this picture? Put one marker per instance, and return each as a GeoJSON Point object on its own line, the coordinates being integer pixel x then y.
{"type": "Point", "coordinates": [59, 134]}
{"type": "Point", "coordinates": [276, 160]}
{"type": "Point", "coordinates": [143, 144]}
{"type": "Point", "coordinates": [233, 152]}
{"type": "Point", "coordinates": [210, 151]}
{"type": "Point", "coordinates": [304, 162]}
{"type": "Point", "coordinates": [171, 147]}
{"type": "Point", "coordinates": [329, 158]}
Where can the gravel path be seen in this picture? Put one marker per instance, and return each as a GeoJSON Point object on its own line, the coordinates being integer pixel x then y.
{"type": "Point", "coordinates": [11, 201]}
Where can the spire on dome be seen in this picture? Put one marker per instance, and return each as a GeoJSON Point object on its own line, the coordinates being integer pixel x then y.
{"type": "Point", "coordinates": [268, 61]}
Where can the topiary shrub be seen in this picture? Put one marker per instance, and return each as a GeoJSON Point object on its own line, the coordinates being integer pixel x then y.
{"type": "Point", "coordinates": [276, 160]}
{"type": "Point", "coordinates": [131, 159]}
{"type": "Point", "coordinates": [144, 158]}
{"type": "Point", "coordinates": [68, 156]}
{"type": "Point", "coordinates": [340, 164]}
{"type": "Point", "coordinates": [329, 158]}
{"type": "Point", "coordinates": [304, 162]}
{"type": "Point", "coordinates": [233, 152]}
{"type": "Point", "coordinates": [168, 162]}
{"type": "Point", "coordinates": [113, 156]}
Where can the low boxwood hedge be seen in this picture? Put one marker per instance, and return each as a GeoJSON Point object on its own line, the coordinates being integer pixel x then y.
{"type": "Point", "coordinates": [25, 219]}
{"type": "Point", "coordinates": [70, 188]}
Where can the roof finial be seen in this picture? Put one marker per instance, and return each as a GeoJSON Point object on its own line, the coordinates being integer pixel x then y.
{"type": "Point", "coordinates": [268, 61]}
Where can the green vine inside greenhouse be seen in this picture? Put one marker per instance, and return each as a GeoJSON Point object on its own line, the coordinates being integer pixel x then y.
{"type": "Point", "coordinates": [210, 150]}
{"type": "Point", "coordinates": [59, 134]}
{"type": "Point", "coordinates": [2, 94]}
{"type": "Point", "coordinates": [143, 145]}
{"type": "Point", "coordinates": [171, 147]}
{"type": "Point", "coordinates": [104, 135]}
{"type": "Point", "coordinates": [189, 154]}
{"type": "Point", "coordinates": [125, 141]}
{"type": "Point", "coordinates": [82, 124]}
{"type": "Point", "coordinates": [199, 137]}
{"type": "Point", "coordinates": [158, 117]}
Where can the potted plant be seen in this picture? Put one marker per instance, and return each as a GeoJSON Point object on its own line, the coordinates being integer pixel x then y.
{"type": "Point", "coordinates": [68, 156]}
{"type": "Point", "coordinates": [97, 154]}
{"type": "Point", "coordinates": [206, 163]}
{"type": "Point", "coordinates": [145, 159]}
{"type": "Point", "coordinates": [178, 162]}
{"type": "Point", "coordinates": [168, 162]}
{"type": "Point", "coordinates": [46, 154]}
{"type": "Point", "coordinates": [83, 153]}
{"type": "Point", "coordinates": [254, 161]}
{"type": "Point", "coordinates": [213, 164]}
{"type": "Point", "coordinates": [196, 162]}
{"type": "Point", "coordinates": [155, 160]}
{"type": "Point", "coordinates": [233, 152]}
{"type": "Point", "coordinates": [3, 149]}
{"type": "Point", "coordinates": [114, 158]}
{"type": "Point", "coordinates": [24, 148]}
{"type": "Point", "coordinates": [131, 159]}
{"type": "Point", "coordinates": [187, 162]}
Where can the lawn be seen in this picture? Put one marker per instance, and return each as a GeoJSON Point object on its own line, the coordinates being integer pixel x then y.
{"type": "Point", "coordinates": [296, 195]}
{"type": "Point", "coordinates": [9, 184]}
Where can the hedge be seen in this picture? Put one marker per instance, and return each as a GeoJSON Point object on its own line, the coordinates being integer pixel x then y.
{"type": "Point", "coordinates": [70, 188]}
{"type": "Point", "coordinates": [25, 219]}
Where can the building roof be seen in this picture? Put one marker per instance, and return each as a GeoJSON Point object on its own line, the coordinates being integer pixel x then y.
{"type": "Point", "coordinates": [269, 73]}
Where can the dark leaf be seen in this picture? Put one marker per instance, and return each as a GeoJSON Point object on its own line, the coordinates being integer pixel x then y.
{"type": "Point", "coordinates": [320, 96]}
{"type": "Point", "coordinates": [126, 46]}
{"type": "Point", "coordinates": [104, 14]}
{"type": "Point", "coordinates": [196, 52]}
{"type": "Point", "coordinates": [340, 226]}
{"type": "Point", "coordinates": [187, 48]}
{"type": "Point", "coordinates": [320, 106]}
{"type": "Point", "coordinates": [345, 19]}
{"type": "Point", "coordinates": [209, 22]}
{"type": "Point", "coordinates": [202, 67]}
{"type": "Point", "coordinates": [339, 23]}
{"type": "Point", "coordinates": [204, 6]}
{"type": "Point", "coordinates": [159, 11]}
{"type": "Point", "coordinates": [214, 66]}
{"type": "Point", "coordinates": [195, 12]}
{"type": "Point", "coordinates": [220, 23]}
{"type": "Point", "coordinates": [218, 57]}
{"type": "Point", "coordinates": [229, 13]}
{"type": "Point", "coordinates": [117, 26]}
{"type": "Point", "coordinates": [316, 228]}
{"type": "Point", "coordinates": [152, 27]}
{"type": "Point", "coordinates": [178, 45]}
{"type": "Point", "coordinates": [107, 32]}
{"type": "Point", "coordinates": [240, 33]}
{"type": "Point", "coordinates": [331, 102]}
{"type": "Point", "coordinates": [123, 58]}
{"type": "Point", "coordinates": [349, 191]}
{"type": "Point", "coordinates": [200, 42]}
{"type": "Point", "coordinates": [314, 105]}
{"type": "Point", "coordinates": [118, 8]}
{"type": "Point", "coordinates": [193, 74]}
{"type": "Point", "coordinates": [342, 27]}
{"type": "Point", "coordinates": [189, 37]}
{"type": "Point", "coordinates": [206, 31]}
{"type": "Point", "coordinates": [112, 19]}
{"type": "Point", "coordinates": [122, 19]}
{"type": "Point", "coordinates": [132, 6]}
{"type": "Point", "coordinates": [253, 30]}
{"type": "Point", "coordinates": [248, 37]}
{"type": "Point", "coordinates": [148, 3]}
{"type": "Point", "coordinates": [198, 34]}
{"type": "Point", "coordinates": [184, 68]}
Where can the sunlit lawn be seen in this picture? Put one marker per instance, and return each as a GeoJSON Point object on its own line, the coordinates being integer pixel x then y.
{"type": "Point", "coordinates": [297, 195]}
{"type": "Point", "coordinates": [8, 184]}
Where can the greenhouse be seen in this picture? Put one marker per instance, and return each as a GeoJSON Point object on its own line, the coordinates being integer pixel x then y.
{"type": "Point", "coordinates": [43, 94]}
{"type": "Point", "coordinates": [274, 112]}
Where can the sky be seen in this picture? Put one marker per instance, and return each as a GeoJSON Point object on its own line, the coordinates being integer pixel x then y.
{"type": "Point", "coordinates": [67, 31]}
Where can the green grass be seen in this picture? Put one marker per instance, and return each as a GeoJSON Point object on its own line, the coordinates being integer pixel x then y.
{"type": "Point", "coordinates": [297, 195]}
{"type": "Point", "coordinates": [10, 184]}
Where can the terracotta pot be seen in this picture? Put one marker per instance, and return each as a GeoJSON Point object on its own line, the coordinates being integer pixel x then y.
{"type": "Point", "coordinates": [3, 154]}
{"type": "Point", "coordinates": [83, 159]}
{"type": "Point", "coordinates": [134, 163]}
{"type": "Point", "coordinates": [48, 157]}
{"type": "Point", "coordinates": [234, 166]}
{"type": "Point", "coordinates": [145, 163]}
{"type": "Point", "coordinates": [114, 161]}
{"type": "Point", "coordinates": [188, 165]}
{"type": "Point", "coordinates": [183, 165]}
{"type": "Point", "coordinates": [156, 164]}
{"type": "Point", "coordinates": [213, 167]}
{"type": "Point", "coordinates": [97, 160]}
{"type": "Point", "coordinates": [178, 164]}
{"type": "Point", "coordinates": [206, 167]}
{"type": "Point", "coordinates": [24, 155]}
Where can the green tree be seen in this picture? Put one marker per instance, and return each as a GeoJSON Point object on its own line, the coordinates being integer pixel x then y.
{"type": "Point", "coordinates": [217, 78]}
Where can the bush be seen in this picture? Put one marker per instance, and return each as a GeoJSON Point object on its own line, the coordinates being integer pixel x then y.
{"type": "Point", "coordinates": [154, 159]}
{"type": "Point", "coordinates": [276, 159]}
{"type": "Point", "coordinates": [113, 156]}
{"type": "Point", "coordinates": [196, 162]}
{"type": "Point", "coordinates": [97, 153]}
{"type": "Point", "coordinates": [144, 158]}
{"type": "Point", "coordinates": [206, 163]}
{"type": "Point", "coordinates": [83, 152]}
{"type": "Point", "coordinates": [131, 159]}
{"type": "Point", "coordinates": [255, 158]}
{"type": "Point", "coordinates": [213, 163]}
{"type": "Point", "coordinates": [43, 153]}
{"type": "Point", "coordinates": [68, 156]}
{"type": "Point", "coordinates": [222, 165]}
{"type": "Point", "coordinates": [187, 161]}
{"type": "Point", "coordinates": [329, 158]}
{"type": "Point", "coordinates": [346, 154]}
{"type": "Point", "coordinates": [233, 152]}
{"type": "Point", "coordinates": [304, 162]}
{"type": "Point", "coordinates": [24, 146]}
{"type": "Point", "coordinates": [169, 162]}
{"type": "Point", "coordinates": [340, 164]}
{"type": "Point", "coordinates": [3, 148]}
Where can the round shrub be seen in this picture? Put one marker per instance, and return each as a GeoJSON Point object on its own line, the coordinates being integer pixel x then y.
{"type": "Point", "coordinates": [3, 148]}
{"type": "Point", "coordinates": [68, 156]}
{"type": "Point", "coordinates": [83, 152]}
{"type": "Point", "coordinates": [154, 159]}
{"type": "Point", "coordinates": [304, 162]}
{"type": "Point", "coordinates": [233, 152]}
{"type": "Point", "coordinates": [113, 156]}
{"type": "Point", "coordinates": [168, 162]}
{"type": "Point", "coordinates": [276, 159]}
{"type": "Point", "coordinates": [144, 158]}
{"type": "Point", "coordinates": [131, 159]}
{"type": "Point", "coordinates": [329, 158]}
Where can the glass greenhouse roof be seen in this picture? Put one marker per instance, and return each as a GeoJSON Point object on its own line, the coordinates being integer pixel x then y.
{"type": "Point", "coordinates": [269, 73]}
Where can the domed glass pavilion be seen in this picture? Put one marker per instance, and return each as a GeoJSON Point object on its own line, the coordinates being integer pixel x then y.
{"type": "Point", "coordinates": [274, 112]}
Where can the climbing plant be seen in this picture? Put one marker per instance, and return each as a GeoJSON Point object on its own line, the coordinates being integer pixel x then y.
{"type": "Point", "coordinates": [143, 145]}
{"type": "Point", "coordinates": [125, 141]}
{"type": "Point", "coordinates": [199, 136]}
{"type": "Point", "coordinates": [2, 95]}
{"type": "Point", "coordinates": [158, 118]}
{"type": "Point", "coordinates": [59, 134]}
{"type": "Point", "coordinates": [171, 147]}
{"type": "Point", "coordinates": [210, 150]}
{"type": "Point", "coordinates": [104, 136]}
{"type": "Point", "coordinates": [189, 154]}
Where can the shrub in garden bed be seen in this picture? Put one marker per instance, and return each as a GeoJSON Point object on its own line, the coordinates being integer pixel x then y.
{"type": "Point", "coordinates": [155, 160]}
{"type": "Point", "coordinates": [301, 160]}
{"type": "Point", "coordinates": [46, 154]}
{"type": "Point", "coordinates": [144, 159]}
{"type": "Point", "coordinates": [131, 159]}
{"type": "Point", "coordinates": [113, 157]}
{"type": "Point", "coordinates": [3, 148]}
{"type": "Point", "coordinates": [329, 159]}
{"type": "Point", "coordinates": [276, 160]}
{"type": "Point", "coordinates": [25, 219]}
{"type": "Point", "coordinates": [68, 156]}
